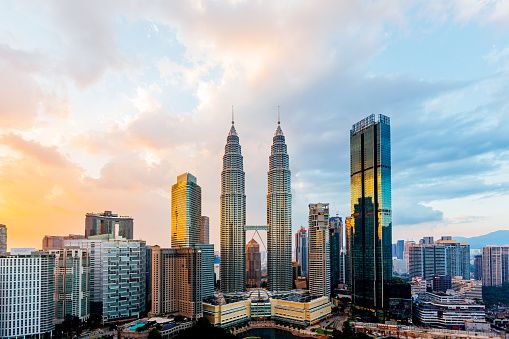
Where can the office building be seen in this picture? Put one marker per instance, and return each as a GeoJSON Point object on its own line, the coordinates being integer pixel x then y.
{"type": "Point", "coordinates": [204, 230]}
{"type": "Point", "coordinates": [468, 289]}
{"type": "Point", "coordinates": [495, 265]}
{"type": "Point", "coordinates": [319, 250]}
{"type": "Point", "coordinates": [400, 249]}
{"type": "Point", "coordinates": [371, 224]}
{"type": "Point", "coordinates": [72, 287]}
{"type": "Point", "coordinates": [478, 267]}
{"type": "Point", "coordinates": [457, 257]}
{"type": "Point", "coordinates": [176, 281]}
{"type": "Point", "coordinates": [441, 283]}
{"type": "Point", "coordinates": [348, 252]}
{"type": "Point", "coordinates": [301, 251]}
{"type": "Point", "coordinates": [233, 217]}
{"type": "Point", "coordinates": [406, 254]}
{"type": "Point", "coordinates": [253, 264]}
{"type": "Point", "coordinates": [447, 311]}
{"type": "Point", "coordinates": [56, 242]}
{"type": "Point", "coordinates": [117, 276]}
{"type": "Point", "coordinates": [3, 240]}
{"type": "Point", "coordinates": [443, 257]}
{"type": "Point", "coordinates": [279, 216]}
{"type": "Point", "coordinates": [207, 269]}
{"type": "Point", "coordinates": [27, 285]}
{"type": "Point", "coordinates": [185, 211]}
{"type": "Point", "coordinates": [337, 253]}
{"type": "Point", "coordinates": [108, 223]}
{"type": "Point", "coordinates": [148, 278]}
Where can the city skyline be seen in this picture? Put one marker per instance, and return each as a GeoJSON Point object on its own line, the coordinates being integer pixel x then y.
{"type": "Point", "coordinates": [150, 99]}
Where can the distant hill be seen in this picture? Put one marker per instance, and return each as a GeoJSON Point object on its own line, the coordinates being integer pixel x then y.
{"type": "Point", "coordinates": [500, 237]}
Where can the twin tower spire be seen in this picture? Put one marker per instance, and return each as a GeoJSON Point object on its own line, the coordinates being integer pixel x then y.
{"type": "Point", "coordinates": [233, 215]}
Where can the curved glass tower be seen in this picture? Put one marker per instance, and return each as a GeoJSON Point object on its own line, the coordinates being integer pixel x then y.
{"type": "Point", "coordinates": [233, 217]}
{"type": "Point", "coordinates": [279, 216]}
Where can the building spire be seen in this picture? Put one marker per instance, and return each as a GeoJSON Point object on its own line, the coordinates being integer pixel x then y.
{"type": "Point", "coordinates": [233, 120]}
{"type": "Point", "coordinates": [278, 116]}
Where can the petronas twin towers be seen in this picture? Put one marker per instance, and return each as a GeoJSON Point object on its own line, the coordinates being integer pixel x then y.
{"type": "Point", "coordinates": [233, 216]}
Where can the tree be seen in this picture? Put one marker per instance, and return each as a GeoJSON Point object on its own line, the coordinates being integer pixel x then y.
{"type": "Point", "coordinates": [154, 334]}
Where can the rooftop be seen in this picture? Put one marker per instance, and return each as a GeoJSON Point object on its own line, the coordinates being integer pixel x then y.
{"type": "Point", "coordinates": [369, 121]}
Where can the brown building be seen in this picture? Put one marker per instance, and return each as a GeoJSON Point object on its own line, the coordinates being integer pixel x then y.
{"type": "Point", "coordinates": [176, 281]}
{"type": "Point", "coordinates": [204, 230]}
{"type": "Point", "coordinates": [253, 264]}
{"type": "Point", "coordinates": [56, 242]}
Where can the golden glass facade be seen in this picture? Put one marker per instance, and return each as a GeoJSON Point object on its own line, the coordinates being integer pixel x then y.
{"type": "Point", "coordinates": [370, 226]}
{"type": "Point", "coordinates": [185, 211]}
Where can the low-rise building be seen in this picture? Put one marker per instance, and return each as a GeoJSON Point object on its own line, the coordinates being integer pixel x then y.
{"type": "Point", "coordinates": [300, 308]}
{"type": "Point", "coordinates": [140, 329]}
{"type": "Point", "coordinates": [468, 289]}
{"type": "Point", "coordinates": [227, 310]}
{"type": "Point", "coordinates": [447, 311]}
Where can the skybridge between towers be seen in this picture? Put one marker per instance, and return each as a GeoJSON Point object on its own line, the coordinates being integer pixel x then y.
{"type": "Point", "coordinates": [257, 228]}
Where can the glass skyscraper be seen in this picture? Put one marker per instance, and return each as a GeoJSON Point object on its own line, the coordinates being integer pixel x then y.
{"type": "Point", "coordinates": [337, 255]}
{"type": "Point", "coordinates": [233, 217]}
{"type": "Point", "coordinates": [279, 216]}
{"type": "Point", "coordinates": [371, 223]}
{"type": "Point", "coordinates": [185, 211]}
{"type": "Point", "coordinates": [301, 251]}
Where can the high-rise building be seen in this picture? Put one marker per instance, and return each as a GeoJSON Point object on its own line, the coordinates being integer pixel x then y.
{"type": "Point", "coordinates": [233, 217]}
{"type": "Point", "coordinates": [319, 250]}
{"type": "Point", "coordinates": [185, 211]}
{"type": "Point", "coordinates": [204, 230]}
{"type": "Point", "coordinates": [406, 253]}
{"type": "Point", "coordinates": [478, 267]}
{"type": "Point", "coordinates": [176, 281]}
{"type": "Point", "coordinates": [443, 257]}
{"type": "Point", "coordinates": [108, 223]}
{"type": "Point", "coordinates": [279, 216]}
{"type": "Point", "coordinates": [27, 285]}
{"type": "Point", "coordinates": [337, 253]}
{"type": "Point", "coordinates": [371, 224]}
{"type": "Point", "coordinates": [348, 250]}
{"type": "Point", "coordinates": [207, 269]}
{"type": "Point", "coordinates": [400, 249]}
{"type": "Point", "coordinates": [457, 257]}
{"type": "Point", "coordinates": [301, 251]}
{"type": "Point", "coordinates": [427, 260]}
{"type": "Point", "coordinates": [3, 240]}
{"type": "Point", "coordinates": [253, 264]}
{"type": "Point", "coordinates": [56, 242]}
{"type": "Point", "coordinates": [72, 288]}
{"type": "Point", "coordinates": [495, 265]}
{"type": "Point", "coordinates": [117, 276]}
{"type": "Point", "coordinates": [148, 278]}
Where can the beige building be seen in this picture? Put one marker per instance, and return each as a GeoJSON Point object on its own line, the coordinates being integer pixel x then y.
{"type": "Point", "coordinates": [495, 271]}
{"type": "Point", "coordinates": [319, 250]}
{"type": "Point", "coordinates": [227, 311]}
{"type": "Point", "coordinates": [176, 281]}
{"type": "Point", "coordinates": [300, 309]}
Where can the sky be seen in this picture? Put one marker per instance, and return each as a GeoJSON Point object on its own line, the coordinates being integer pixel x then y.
{"type": "Point", "coordinates": [103, 104]}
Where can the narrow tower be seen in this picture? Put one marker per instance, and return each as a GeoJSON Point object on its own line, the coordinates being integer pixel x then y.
{"type": "Point", "coordinates": [371, 214]}
{"type": "Point", "coordinates": [233, 216]}
{"type": "Point", "coordinates": [279, 215]}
